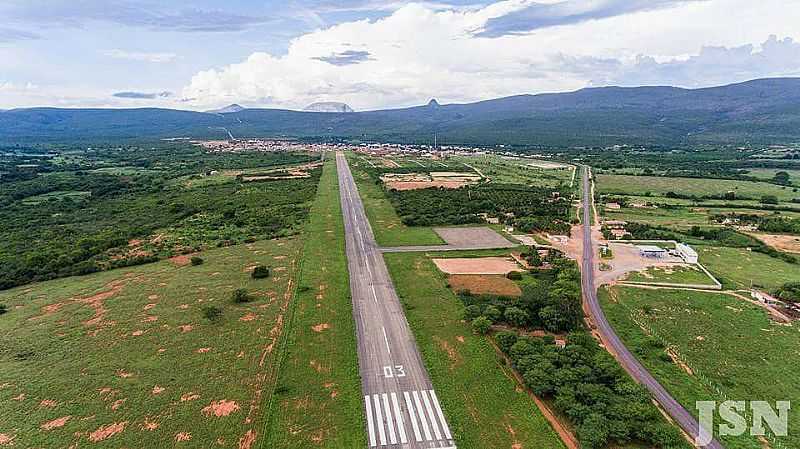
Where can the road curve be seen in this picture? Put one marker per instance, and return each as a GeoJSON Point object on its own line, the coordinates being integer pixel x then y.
{"type": "Point", "coordinates": [400, 405]}
{"type": "Point", "coordinates": [628, 361]}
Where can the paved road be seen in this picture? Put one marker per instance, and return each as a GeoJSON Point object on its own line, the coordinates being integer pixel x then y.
{"type": "Point", "coordinates": [437, 248]}
{"type": "Point", "coordinates": [401, 407]}
{"type": "Point", "coordinates": [687, 422]}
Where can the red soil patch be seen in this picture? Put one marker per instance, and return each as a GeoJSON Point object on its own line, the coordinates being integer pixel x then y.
{"type": "Point", "coordinates": [414, 185]}
{"type": "Point", "coordinates": [105, 432]}
{"type": "Point", "coordinates": [482, 284]}
{"type": "Point", "coordinates": [137, 333]}
{"type": "Point", "coordinates": [149, 425]}
{"type": "Point", "coordinates": [183, 306]}
{"type": "Point", "coordinates": [118, 403]}
{"type": "Point", "coordinates": [48, 310]}
{"type": "Point", "coordinates": [249, 317]}
{"type": "Point", "coordinates": [183, 436]}
{"type": "Point", "coordinates": [185, 328]}
{"type": "Point", "coordinates": [48, 403]}
{"type": "Point", "coordinates": [158, 390]}
{"type": "Point", "coordinates": [97, 301]}
{"type": "Point", "coordinates": [150, 319]}
{"type": "Point", "coordinates": [220, 408]}
{"type": "Point", "coordinates": [56, 423]}
{"type": "Point", "coordinates": [21, 397]}
{"type": "Point", "coordinates": [477, 265]}
{"type": "Point", "coordinates": [460, 339]}
{"type": "Point", "coordinates": [247, 440]}
{"type": "Point", "coordinates": [149, 306]}
{"type": "Point", "coordinates": [203, 350]}
{"type": "Point", "coordinates": [320, 327]}
{"type": "Point", "coordinates": [189, 397]}
{"type": "Point", "coordinates": [8, 440]}
{"type": "Point", "coordinates": [123, 374]}
{"type": "Point", "coordinates": [182, 260]}
{"type": "Point", "coordinates": [152, 297]}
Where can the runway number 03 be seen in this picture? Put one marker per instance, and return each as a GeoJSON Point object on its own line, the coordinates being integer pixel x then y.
{"type": "Point", "coordinates": [396, 371]}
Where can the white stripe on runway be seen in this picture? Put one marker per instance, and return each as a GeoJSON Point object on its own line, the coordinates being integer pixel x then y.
{"type": "Point", "coordinates": [421, 415]}
{"type": "Point", "coordinates": [378, 415]}
{"type": "Point", "coordinates": [401, 429]}
{"type": "Point", "coordinates": [432, 416]}
{"type": "Point", "coordinates": [389, 421]}
{"type": "Point", "coordinates": [413, 416]}
{"type": "Point", "coordinates": [370, 423]}
{"type": "Point", "coordinates": [441, 415]}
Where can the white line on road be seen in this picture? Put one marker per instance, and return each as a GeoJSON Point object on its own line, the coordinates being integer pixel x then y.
{"type": "Point", "coordinates": [401, 429]}
{"type": "Point", "coordinates": [381, 433]}
{"type": "Point", "coordinates": [370, 423]}
{"type": "Point", "coordinates": [389, 421]}
{"type": "Point", "coordinates": [438, 408]}
{"type": "Point", "coordinates": [421, 415]}
{"type": "Point", "coordinates": [432, 416]}
{"type": "Point", "coordinates": [413, 416]}
{"type": "Point", "coordinates": [386, 340]}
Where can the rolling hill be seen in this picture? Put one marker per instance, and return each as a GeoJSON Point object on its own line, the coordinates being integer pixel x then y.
{"type": "Point", "coordinates": [763, 111]}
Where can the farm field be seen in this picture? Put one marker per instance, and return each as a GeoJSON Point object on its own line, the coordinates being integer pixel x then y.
{"type": "Point", "coordinates": [659, 186]}
{"type": "Point", "coordinates": [678, 274]}
{"type": "Point", "coordinates": [478, 394]}
{"type": "Point", "coordinates": [386, 225]}
{"type": "Point", "coordinates": [738, 267]}
{"type": "Point", "coordinates": [518, 171]}
{"type": "Point", "coordinates": [153, 356]}
{"type": "Point", "coordinates": [318, 394]}
{"type": "Point", "coordinates": [769, 173]}
{"type": "Point", "coordinates": [709, 346]}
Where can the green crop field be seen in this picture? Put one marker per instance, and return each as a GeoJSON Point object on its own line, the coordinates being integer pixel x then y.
{"type": "Point", "coordinates": [739, 268]}
{"type": "Point", "coordinates": [516, 171]}
{"type": "Point", "coordinates": [478, 394]}
{"type": "Point", "coordinates": [146, 356]}
{"type": "Point", "coordinates": [673, 275]}
{"type": "Point", "coordinates": [318, 395]}
{"type": "Point", "coordinates": [659, 186]}
{"type": "Point", "coordinates": [726, 348]}
{"type": "Point", "coordinates": [386, 225]}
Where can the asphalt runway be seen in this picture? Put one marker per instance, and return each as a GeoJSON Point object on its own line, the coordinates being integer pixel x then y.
{"type": "Point", "coordinates": [628, 361]}
{"type": "Point", "coordinates": [401, 407]}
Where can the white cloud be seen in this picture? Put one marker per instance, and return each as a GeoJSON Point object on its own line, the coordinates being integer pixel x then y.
{"type": "Point", "coordinates": [140, 56]}
{"type": "Point", "coordinates": [421, 51]}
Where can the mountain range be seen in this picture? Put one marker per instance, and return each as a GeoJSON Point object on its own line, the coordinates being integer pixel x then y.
{"type": "Point", "coordinates": [758, 111]}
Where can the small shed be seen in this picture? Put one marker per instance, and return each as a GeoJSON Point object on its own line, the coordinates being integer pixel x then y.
{"type": "Point", "coordinates": [652, 251]}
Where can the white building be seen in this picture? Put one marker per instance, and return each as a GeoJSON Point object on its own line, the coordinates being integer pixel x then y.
{"type": "Point", "coordinates": [686, 252]}
{"type": "Point", "coordinates": [652, 251]}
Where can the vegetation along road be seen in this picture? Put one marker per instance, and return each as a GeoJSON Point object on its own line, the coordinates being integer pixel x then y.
{"type": "Point", "coordinates": [685, 419]}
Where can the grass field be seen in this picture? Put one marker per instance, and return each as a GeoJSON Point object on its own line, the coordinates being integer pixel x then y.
{"type": "Point", "coordinates": [386, 225]}
{"type": "Point", "coordinates": [129, 358]}
{"type": "Point", "coordinates": [672, 275]}
{"type": "Point", "coordinates": [658, 186]}
{"type": "Point", "coordinates": [516, 171]}
{"type": "Point", "coordinates": [738, 267]}
{"type": "Point", "coordinates": [724, 348]}
{"type": "Point", "coordinates": [683, 217]}
{"type": "Point", "coordinates": [769, 173]}
{"type": "Point", "coordinates": [318, 398]}
{"type": "Point", "coordinates": [478, 394]}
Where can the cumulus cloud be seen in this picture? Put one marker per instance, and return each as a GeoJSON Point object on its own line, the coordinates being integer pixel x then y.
{"type": "Point", "coordinates": [140, 56]}
{"type": "Point", "coordinates": [345, 58]}
{"type": "Point", "coordinates": [142, 95]}
{"type": "Point", "coordinates": [537, 14]}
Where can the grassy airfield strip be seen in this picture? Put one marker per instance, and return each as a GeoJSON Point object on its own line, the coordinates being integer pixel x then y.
{"type": "Point", "coordinates": [318, 396]}
{"type": "Point", "coordinates": [709, 346]}
{"type": "Point", "coordinates": [152, 356]}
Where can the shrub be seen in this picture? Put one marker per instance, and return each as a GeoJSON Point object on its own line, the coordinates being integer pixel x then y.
{"type": "Point", "coordinates": [505, 340]}
{"type": "Point", "coordinates": [3, 309]}
{"type": "Point", "coordinates": [493, 313]}
{"type": "Point", "coordinates": [197, 260]}
{"type": "Point", "coordinates": [240, 295]}
{"type": "Point", "coordinates": [481, 325]}
{"type": "Point", "coordinates": [212, 313]}
{"type": "Point", "coordinates": [260, 272]}
{"type": "Point", "coordinates": [514, 275]}
{"type": "Point", "coordinates": [472, 311]}
{"type": "Point", "coordinates": [516, 316]}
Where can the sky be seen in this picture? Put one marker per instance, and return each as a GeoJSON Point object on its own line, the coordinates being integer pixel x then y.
{"type": "Point", "coordinates": [372, 54]}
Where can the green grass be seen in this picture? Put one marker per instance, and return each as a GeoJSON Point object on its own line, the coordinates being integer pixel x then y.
{"type": "Point", "coordinates": [477, 392]}
{"type": "Point", "coordinates": [733, 349]}
{"type": "Point", "coordinates": [318, 398]}
{"type": "Point", "coordinates": [386, 225]}
{"type": "Point", "coordinates": [738, 267]}
{"type": "Point", "coordinates": [58, 195]}
{"type": "Point", "coordinates": [672, 275]}
{"type": "Point", "coordinates": [64, 357]}
{"type": "Point", "coordinates": [516, 171]}
{"type": "Point", "coordinates": [769, 173]}
{"type": "Point", "coordinates": [658, 186]}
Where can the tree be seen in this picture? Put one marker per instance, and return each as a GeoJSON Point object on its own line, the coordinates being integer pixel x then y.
{"type": "Point", "coordinates": [505, 340]}
{"type": "Point", "coordinates": [782, 178]}
{"type": "Point", "coordinates": [516, 316]}
{"type": "Point", "coordinates": [240, 295]}
{"type": "Point", "coordinates": [481, 325]}
{"type": "Point", "coordinates": [493, 313]}
{"type": "Point", "coordinates": [534, 258]}
{"type": "Point", "coordinates": [472, 311]}
{"type": "Point", "coordinates": [197, 260]}
{"type": "Point", "coordinates": [260, 272]}
{"type": "Point", "coordinates": [3, 309]}
{"type": "Point", "coordinates": [593, 432]}
{"type": "Point", "coordinates": [212, 313]}
{"type": "Point", "coordinates": [769, 199]}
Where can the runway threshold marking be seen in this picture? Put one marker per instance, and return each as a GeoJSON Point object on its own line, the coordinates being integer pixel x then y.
{"type": "Point", "coordinates": [370, 422]}
{"type": "Point", "coordinates": [413, 416]}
